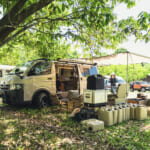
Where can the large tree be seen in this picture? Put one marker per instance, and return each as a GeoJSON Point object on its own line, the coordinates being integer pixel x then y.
{"type": "Point", "coordinates": [50, 22]}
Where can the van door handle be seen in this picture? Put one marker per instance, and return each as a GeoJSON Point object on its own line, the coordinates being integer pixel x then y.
{"type": "Point", "coordinates": [49, 78]}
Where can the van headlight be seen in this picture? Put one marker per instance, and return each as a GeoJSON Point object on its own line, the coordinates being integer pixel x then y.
{"type": "Point", "coordinates": [15, 86]}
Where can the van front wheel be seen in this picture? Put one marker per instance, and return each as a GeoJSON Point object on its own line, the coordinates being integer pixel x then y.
{"type": "Point", "coordinates": [42, 100]}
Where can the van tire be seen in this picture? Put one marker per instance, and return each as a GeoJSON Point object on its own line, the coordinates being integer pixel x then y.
{"type": "Point", "coordinates": [42, 100]}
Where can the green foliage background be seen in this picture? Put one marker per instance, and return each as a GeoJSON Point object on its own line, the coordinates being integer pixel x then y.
{"type": "Point", "coordinates": [135, 71]}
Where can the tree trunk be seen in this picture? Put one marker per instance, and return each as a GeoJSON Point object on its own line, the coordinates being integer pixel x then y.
{"type": "Point", "coordinates": [16, 16]}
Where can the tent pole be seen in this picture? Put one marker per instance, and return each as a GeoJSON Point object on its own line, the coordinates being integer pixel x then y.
{"type": "Point", "coordinates": [127, 74]}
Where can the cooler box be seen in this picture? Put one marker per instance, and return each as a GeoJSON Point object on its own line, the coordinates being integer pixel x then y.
{"type": "Point", "coordinates": [95, 82]}
{"type": "Point", "coordinates": [95, 96]}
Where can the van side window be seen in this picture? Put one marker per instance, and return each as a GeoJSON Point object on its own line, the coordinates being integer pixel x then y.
{"type": "Point", "coordinates": [42, 68]}
{"type": "Point", "coordinates": [0, 73]}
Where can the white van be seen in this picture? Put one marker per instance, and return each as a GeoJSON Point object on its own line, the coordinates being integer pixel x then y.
{"type": "Point", "coordinates": [4, 70]}
{"type": "Point", "coordinates": [107, 84]}
{"type": "Point", "coordinates": [44, 82]}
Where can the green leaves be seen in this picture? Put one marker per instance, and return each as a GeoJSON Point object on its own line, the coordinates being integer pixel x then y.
{"type": "Point", "coordinates": [90, 23]}
{"type": "Point", "coordinates": [135, 71]}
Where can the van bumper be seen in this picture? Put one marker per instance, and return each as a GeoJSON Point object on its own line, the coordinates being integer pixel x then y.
{"type": "Point", "coordinates": [13, 97]}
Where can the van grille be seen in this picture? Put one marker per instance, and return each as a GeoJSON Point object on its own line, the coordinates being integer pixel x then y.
{"type": "Point", "coordinates": [4, 86]}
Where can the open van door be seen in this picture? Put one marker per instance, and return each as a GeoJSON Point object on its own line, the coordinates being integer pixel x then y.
{"type": "Point", "coordinates": [82, 79]}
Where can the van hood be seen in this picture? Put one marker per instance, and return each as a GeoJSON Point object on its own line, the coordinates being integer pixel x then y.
{"type": "Point", "coordinates": [11, 79]}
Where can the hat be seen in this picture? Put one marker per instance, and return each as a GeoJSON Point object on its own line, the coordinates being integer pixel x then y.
{"type": "Point", "coordinates": [112, 73]}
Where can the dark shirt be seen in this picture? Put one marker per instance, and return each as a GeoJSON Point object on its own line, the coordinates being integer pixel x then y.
{"type": "Point", "coordinates": [113, 81]}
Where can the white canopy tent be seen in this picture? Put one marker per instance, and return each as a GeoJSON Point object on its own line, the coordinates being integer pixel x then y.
{"type": "Point", "coordinates": [121, 59]}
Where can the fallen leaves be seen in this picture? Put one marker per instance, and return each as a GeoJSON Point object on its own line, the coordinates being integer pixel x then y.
{"type": "Point", "coordinates": [28, 129]}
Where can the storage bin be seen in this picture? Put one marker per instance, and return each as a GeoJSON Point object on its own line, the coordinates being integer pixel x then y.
{"type": "Point", "coordinates": [95, 82]}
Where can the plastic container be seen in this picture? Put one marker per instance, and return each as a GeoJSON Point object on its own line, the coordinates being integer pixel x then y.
{"type": "Point", "coordinates": [133, 112]}
{"type": "Point", "coordinates": [115, 115]}
{"type": "Point", "coordinates": [101, 113]}
{"type": "Point", "coordinates": [93, 124]}
{"type": "Point", "coordinates": [108, 117]}
{"type": "Point", "coordinates": [106, 114]}
{"type": "Point", "coordinates": [127, 112]}
{"type": "Point", "coordinates": [120, 114]}
{"type": "Point", "coordinates": [123, 113]}
{"type": "Point", "coordinates": [141, 113]}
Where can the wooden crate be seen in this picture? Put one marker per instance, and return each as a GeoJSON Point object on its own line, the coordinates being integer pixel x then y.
{"type": "Point", "coordinates": [133, 101]}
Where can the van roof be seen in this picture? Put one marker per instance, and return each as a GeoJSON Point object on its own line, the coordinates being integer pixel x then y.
{"type": "Point", "coordinates": [69, 61]}
{"type": "Point", "coordinates": [76, 61]}
{"type": "Point", "coordinates": [118, 77]}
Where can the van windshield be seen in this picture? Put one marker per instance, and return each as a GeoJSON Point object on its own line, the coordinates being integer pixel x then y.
{"type": "Point", "coordinates": [121, 81]}
{"type": "Point", "coordinates": [21, 69]}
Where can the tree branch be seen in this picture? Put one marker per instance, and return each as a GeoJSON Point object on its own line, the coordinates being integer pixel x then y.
{"type": "Point", "coordinates": [20, 17]}
{"type": "Point", "coordinates": [12, 13]}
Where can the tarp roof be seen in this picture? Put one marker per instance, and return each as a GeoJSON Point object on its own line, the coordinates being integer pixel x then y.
{"type": "Point", "coordinates": [120, 59]}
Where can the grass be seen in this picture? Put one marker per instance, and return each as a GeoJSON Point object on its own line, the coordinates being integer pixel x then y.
{"type": "Point", "coordinates": [29, 129]}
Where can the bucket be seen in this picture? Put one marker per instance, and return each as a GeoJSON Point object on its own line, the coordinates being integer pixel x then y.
{"type": "Point", "coordinates": [141, 113]}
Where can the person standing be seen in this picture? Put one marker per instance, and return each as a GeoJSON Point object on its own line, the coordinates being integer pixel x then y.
{"type": "Point", "coordinates": [113, 82]}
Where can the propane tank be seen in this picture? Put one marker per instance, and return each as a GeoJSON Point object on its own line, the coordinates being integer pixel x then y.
{"type": "Point", "coordinates": [141, 113]}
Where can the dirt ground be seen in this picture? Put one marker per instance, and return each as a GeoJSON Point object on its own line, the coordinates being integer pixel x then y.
{"type": "Point", "coordinates": [27, 128]}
